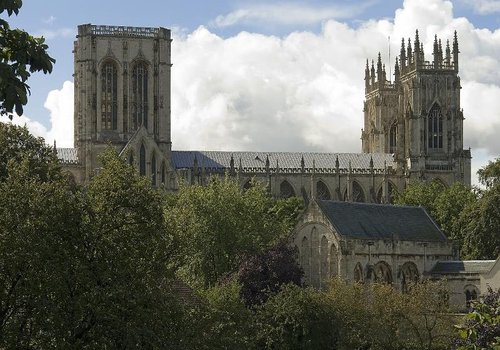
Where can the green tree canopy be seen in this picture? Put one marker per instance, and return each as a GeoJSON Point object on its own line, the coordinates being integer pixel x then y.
{"type": "Point", "coordinates": [218, 225]}
{"type": "Point", "coordinates": [489, 175]}
{"type": "Point", "coordinates": [20, 55]}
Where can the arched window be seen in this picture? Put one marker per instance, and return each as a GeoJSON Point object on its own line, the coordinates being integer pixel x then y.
{"type": "Point", "coordinates": [163, 173]}
{"type": "Point", "coordinates": [334, 261]}
{"type": "Point", "coordinates": [322, 191]}
{"type": "Point", "coordinates": [153, 169]}
{"type": "Point", "coordinates": [382, 273]}
{"type": "Point", "coordinates": [358, 195]}
{"type": "Point", "coordinates": [142, 161]}
{"type": "Point", "coordinates": [409, 274]}
{"type": "Point", "coordinates": [470, 295]}
{"type": "Point", "coordinates": [391, 189]}
{"type": "Point", "coordinates": [109, 96]}
{"type": "Point", "coordinates": [435, 128]}
{"type": "Point", "coordinates": [393, 131]}
{"type": "Point", "coordinates": [358, 273]}
{"type": "Point", "coordinates": [286, 190]}
{"type": "Point", "coordinates": [323, 255]}
{"type": "Point", "coordinates": [315, 270]}
{"type": "Point", "coordinates": [140, 95]}
{"type": "Point", "coordinates": [305, 254]}
{"type": "Point", "coordinates": [131, 158]}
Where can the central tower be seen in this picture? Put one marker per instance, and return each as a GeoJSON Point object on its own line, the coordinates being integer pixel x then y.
{"type": "Point", "coordinates": [418, 117]}
{"type": "Point", "coordinates": [122, 89]}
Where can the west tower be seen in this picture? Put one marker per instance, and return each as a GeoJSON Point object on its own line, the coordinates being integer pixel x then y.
{"type": "Point", "coordinates": [418, 116]}
{"type": "Point", "coordinates": [122, 96]}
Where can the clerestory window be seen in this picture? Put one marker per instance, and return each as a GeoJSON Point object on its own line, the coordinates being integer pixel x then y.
{"type": "Point", "coordinates": [392, 138]}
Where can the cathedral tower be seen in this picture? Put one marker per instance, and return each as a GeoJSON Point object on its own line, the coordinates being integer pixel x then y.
{"type": "Point", "coordinates": [418, 117]}
{"type": "Point", "coordinates": [122, 96]}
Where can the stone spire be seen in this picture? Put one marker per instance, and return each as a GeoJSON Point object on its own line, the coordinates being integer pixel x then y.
{"type": "Point", "coordinates": [435, 52]}
{"type": "Point", "coordinates": [402, 56]}
{"type": "Point", "coordinates": [372, 74]}
{"type": "Point", "coordinates": [447, 59]}
{"type": "Point", "coordinates": [455, 51]}
{"type": "Point", "coordinates": [409, 53]}
{"type": "Point", "coordinates": [367, 79]}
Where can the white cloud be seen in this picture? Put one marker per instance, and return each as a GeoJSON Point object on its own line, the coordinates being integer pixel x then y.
{"type": "Point", "coordinates": [60, 105]}
{"type": "Point", "coordinates": [304, 92]}
{"type": "Point", "coordinates": [56, 33]}
{"type": "Point", "coordinates": [49, 20]}
{"type": "Point", "coordinates": [288, 14]}
{"type": "Point", "coordinates": [484, 7]}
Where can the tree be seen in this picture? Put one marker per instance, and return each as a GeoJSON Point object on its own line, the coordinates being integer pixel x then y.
{"type": "Point", "coordinates": [480, 224]}
{"type": "Point", "coordinates": [85, 267]}
{"type": "Point", "coordinates": [296, 318]}
{"type": "Point", "coordinates": [420, 194]}
{"type": "Point", "coordinates": [18, 145]}
{"type": "Point", "coordinates": [218, 225]}
{"type": "Point", "coordinates": [481, 327]}
{"type": "Point", "coordinates": [489, 175]}
{"type": "Point", "coordinates": [21, 54]}
{"type": "Point", "coordinates": [263, 274]}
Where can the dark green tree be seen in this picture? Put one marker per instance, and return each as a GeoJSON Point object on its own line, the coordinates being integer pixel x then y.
{"type": "Point", "coordinates": [18, 145]}
{"type": "Point", "coordinates": [218, 225]}
{"type": "Point", "coordinates": [20, 55]}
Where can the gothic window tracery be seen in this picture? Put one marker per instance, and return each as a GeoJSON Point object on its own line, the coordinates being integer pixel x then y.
{"type": "Point", "coordinates": [109, 96]}
{"type": "Point", "coordinates": [382, 273]}
{"type": "Point", "coordinates": [393, 131]}
{"type": "Point", "coordinates": [358, 273]}
{"type": "Point", "coordinates": [305, 251]}
{"type": "Point", "coordinates": [435, 128]}
{"type": "Point", "coordinates": [391, 191]}
{"type": "Point", "coordinates": [140, 95]}
{"type": "Point", "coordinates": [163, 173]}
{"type": "Point", "coordinates": [358, 195]}
{"type": "Point", "coordinates": [286, 190]}
{"type": "Point", "coordinates": [153, 169]}
{"type": "Point", "coordinates": [409, 274]}
{"type": "Point", "coordinates": [324, 259]}
{"type": "Point", "coordinates": [322, 191]}
{"type": "Point", "coordinates": [334, 261]}
{"type": "Point", "coordinates": [142, 161]}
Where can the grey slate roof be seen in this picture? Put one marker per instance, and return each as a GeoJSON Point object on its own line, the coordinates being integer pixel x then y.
{"type": "Point", "coordinates": [378, 221]}
{"type": "Point", "coordinates": [286, 161]}
{"type": "Point", "coordinates": [67, 155]}
{"type": "Point", "coordinates": [462, 267]}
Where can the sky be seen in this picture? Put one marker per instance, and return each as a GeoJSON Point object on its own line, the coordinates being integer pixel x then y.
{"type": "Point", "coordinates": [274, 75]}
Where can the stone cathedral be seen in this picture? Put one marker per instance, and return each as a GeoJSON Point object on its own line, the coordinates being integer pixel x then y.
{"type": "Point", "coordinates": [413, 131]}
{"type": "Point", "coordinates": [413, 125]}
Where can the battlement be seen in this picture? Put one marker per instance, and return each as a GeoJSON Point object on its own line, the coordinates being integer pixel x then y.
{"type": "Point", "coordinates": [411, 60]}
{"type": "Point", "coordinates": [122, 31]}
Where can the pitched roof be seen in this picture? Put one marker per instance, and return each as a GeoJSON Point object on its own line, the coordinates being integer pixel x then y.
{"type": "Point", "coordinates": [287, 162]}
{"type": "Point", "coordinates": [379, 221]}
{"type": "Point", "coordinates": [462, 267]}
{"type": "Point", "coordinates": [67, 155]}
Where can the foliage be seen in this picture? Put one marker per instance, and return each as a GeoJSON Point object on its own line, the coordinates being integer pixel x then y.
{"type": "Point", "coordinates": [480, 224]}
{"type": "Point", "coordinates": [263, 274]}
{"type": "Point", "coordinates": [218, 225]}
{"type": "Point", "coordinates": [481, 326]}
{"type": "Point", "coordinates": [296, 318]}
{"type": "Point", "coordinates": [225, 321]}
{"type": "Point", "coordinates": [420, 194]}
{"type": "Point", "coordinates": [489, 175]}
{"type": "Point", "coordinates": [377, 316]}
{"type": "Point", "coordinates": [21, 54]}
{"type": "Point", "coordinates": [18, 145]}
{"type": "Point", "coordinates": [86, 268]}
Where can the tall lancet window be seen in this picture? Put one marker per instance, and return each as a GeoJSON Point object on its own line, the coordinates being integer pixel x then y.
{"type": "Point", "coordinates": [392, 138]}
{"type": "Point", "coordinates": [142, 161]}
{"type": "Point", "coordinates": [435, 128]}
{"type": "Point", "coordinates": [153, 169]}
{"type": "Point", "coordinates": [140, 95]}
{"type": "Point", "coordinates": [109, 94]}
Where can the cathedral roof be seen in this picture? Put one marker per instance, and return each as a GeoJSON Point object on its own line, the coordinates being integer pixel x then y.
{"type": "Point", "coordinates": [462, 267]}
{"type": "Point", "coordinates": [378, 221]}
{"type": "Point", "coordinates": [286, 162]}
{"type": "Point", "coordinates": [67, 155]}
